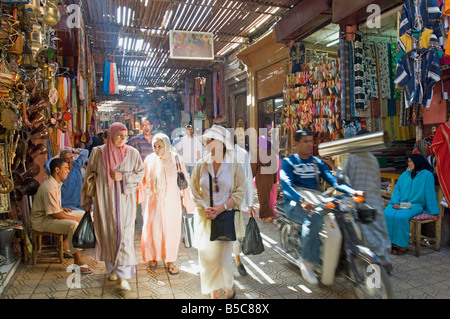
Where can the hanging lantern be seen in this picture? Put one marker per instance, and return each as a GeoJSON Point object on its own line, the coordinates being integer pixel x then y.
{"type": "Point", "coordinates": [28, 61]}
{"type": "Point", "coordinates": [36, 39]}
{"type": "Point", "coordinates": [51, 14]}
{"type": "Point", "coordinates": [33, 8]}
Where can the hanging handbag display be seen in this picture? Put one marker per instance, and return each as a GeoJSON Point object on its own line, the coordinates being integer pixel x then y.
{"type": "Point", "coordinates": [222, 228]}
{"type": "Point", "coordinates": [84, 235]}
{"type": "Point", "coordinates": [181, 180]}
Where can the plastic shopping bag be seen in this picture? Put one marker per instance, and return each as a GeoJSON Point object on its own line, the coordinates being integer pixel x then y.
{"type": "Point", "coordinates": [84, 236]}
{"type": "Point", "coordinates": [252, 243]}
{"type": "Point", "coordinates": [187, 228]}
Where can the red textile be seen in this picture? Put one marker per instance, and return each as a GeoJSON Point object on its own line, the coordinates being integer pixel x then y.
{"type": "Point", "coordinates": [441, 149]}
{"type": "Point", "coordinates": [438, 109]}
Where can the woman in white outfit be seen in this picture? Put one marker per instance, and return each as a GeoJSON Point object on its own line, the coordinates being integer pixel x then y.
{"type": "Point", "coordinates": [228, 187]}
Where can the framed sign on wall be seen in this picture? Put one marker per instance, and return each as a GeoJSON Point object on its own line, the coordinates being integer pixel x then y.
{"type": "Point", "coordinates": [191, 45]}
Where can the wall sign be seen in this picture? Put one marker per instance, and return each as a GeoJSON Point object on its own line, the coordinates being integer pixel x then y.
{"type": "Point", "coordinates": [191, 45]}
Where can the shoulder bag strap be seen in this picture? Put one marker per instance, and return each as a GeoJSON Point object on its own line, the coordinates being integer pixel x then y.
{"type": "Point", "coordinates": [211, 201]}
{"type": "Point", "coordinates": [96, 159]}
{"type": "Point", "coordinates": [178, 163]}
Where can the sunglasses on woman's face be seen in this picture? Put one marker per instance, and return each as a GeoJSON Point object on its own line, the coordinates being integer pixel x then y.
{"type": "Point", "coordinates": [216, 186]}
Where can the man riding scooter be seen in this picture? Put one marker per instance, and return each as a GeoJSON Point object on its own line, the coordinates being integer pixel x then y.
{"type": "Point", "coordinates": [301, 169]}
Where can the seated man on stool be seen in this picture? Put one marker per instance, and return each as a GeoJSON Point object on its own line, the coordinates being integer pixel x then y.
{"type": "Point", "coordinates": [47, 214]}
{"type": "Point", "coordinates": [71, 187]}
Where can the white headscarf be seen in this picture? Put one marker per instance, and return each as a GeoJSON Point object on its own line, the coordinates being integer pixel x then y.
{"type": "Point", "coordinates": [157, 179]}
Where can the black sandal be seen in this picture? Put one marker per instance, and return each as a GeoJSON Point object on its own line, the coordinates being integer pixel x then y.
{"type": "Point", "coordinates": [172, 271]}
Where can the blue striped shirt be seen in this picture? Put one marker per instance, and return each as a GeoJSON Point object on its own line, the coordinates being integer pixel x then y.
{"type": "Point", "coordinates": [143, 146]}
{"type": "Point", "coordinates": [297, 172]}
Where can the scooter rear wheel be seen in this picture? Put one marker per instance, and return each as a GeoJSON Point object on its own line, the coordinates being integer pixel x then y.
{"type": "Point", "coordinates": [288, 234]}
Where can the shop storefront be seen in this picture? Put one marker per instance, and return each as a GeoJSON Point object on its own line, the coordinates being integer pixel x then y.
{"type": "Point", "coordinates": [47, 78]}
{"type": "Point", "coordinates": [266, 63]}
{"type": "Point", "coordinates": [311, 98]}
{"type": "Point", "coordinates": [388, 72]}
{"type": "Point", "coordinates": [358, 76]}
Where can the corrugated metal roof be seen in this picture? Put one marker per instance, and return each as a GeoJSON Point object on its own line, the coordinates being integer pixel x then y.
{"type": "Point", "coordinates": [134, 33]}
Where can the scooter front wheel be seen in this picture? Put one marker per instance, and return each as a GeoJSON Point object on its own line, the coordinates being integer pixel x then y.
{"type": "Point", "coordinates": [290, 239]}
{"type": "Point", "coordinates": [370, 280]}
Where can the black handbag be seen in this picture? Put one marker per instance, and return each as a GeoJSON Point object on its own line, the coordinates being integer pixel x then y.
{"type": "Point", "coordinates": [222, 228]}
{"type": "Point", "coordinates": [84, 236]}
{"type": "Point", "coordinates": [181, 180]}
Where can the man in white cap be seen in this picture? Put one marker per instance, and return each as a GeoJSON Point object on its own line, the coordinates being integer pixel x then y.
{"type": "Point", "coordinates": [190, 148]}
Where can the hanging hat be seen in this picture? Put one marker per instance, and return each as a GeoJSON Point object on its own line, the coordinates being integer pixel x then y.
{"type": "Point", "coordinates": [217, 132]}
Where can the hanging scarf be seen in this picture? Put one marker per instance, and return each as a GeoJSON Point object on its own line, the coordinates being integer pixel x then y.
{"type": "Point", "coordinates": [156, 180]}
{"type": "Point", "coordinates": [112, 155]}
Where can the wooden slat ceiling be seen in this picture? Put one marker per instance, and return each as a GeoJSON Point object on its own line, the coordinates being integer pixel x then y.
{"type": "Point", "coordinates": [134, 34]}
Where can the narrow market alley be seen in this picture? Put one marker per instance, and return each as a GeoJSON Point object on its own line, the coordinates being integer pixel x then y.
{"type": "Point", "coordinates": [269, 277]}
{"type": "Point", "coordinates": [106, 105]}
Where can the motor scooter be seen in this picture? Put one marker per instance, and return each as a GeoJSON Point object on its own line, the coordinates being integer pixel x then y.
{"type": "Point", "coordinates": [342, 250]}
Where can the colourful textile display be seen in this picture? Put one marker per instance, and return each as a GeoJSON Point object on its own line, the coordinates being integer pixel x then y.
{"type": "Point", "coordinates": [417, 72]}
{"type": "Point", "coordinates": [421, 14]}
{"type": "Point", "coordinates": [110, 79]}
{"type": "Point", "coordinates": [383, 55]}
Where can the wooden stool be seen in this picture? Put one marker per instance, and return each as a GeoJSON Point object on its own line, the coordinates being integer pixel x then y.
{"type": "Point", "coordinates": [41, 251]}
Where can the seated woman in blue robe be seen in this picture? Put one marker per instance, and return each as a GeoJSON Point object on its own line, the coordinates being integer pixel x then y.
{"type": "Point", "coordinates": [414, 194]}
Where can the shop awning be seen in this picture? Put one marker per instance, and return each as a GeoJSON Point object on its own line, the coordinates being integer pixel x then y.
{"type": "Point", "coordinates": [304, 19]}
{"type": "Point", "coordinates": [355, 12]}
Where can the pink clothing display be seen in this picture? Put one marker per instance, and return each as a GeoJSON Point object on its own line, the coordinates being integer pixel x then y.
{"type": "Point", "coordinates": [274, 192]}
{"type": "Point", "coordinates": [162, 212]}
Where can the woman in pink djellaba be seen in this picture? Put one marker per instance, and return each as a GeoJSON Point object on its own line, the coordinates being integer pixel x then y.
{"type": "Point", "coordinates": [162, 211]}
